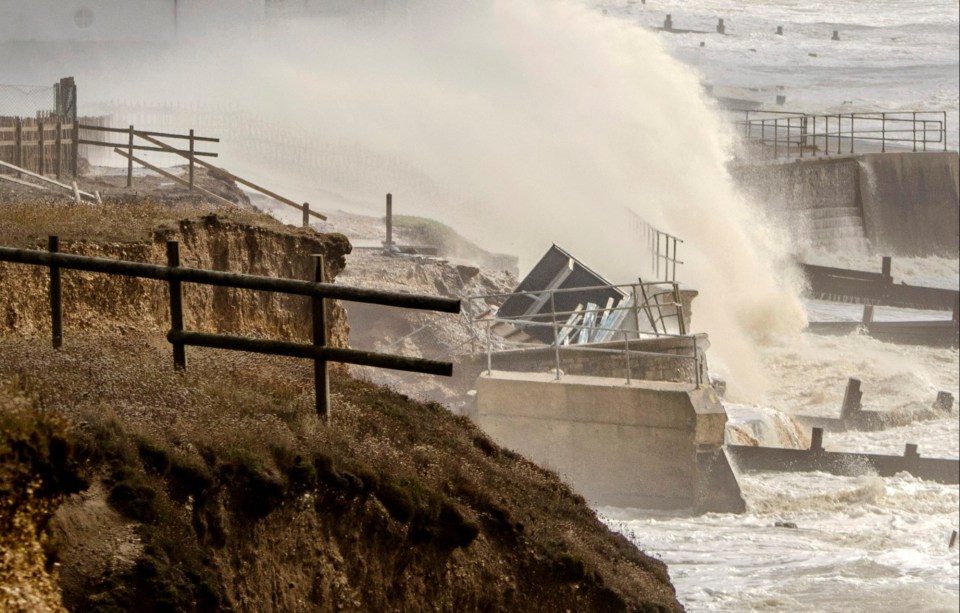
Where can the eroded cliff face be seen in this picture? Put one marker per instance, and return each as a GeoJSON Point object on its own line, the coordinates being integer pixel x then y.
{"type": "Point", "coordinates": [100, 302]}
{"type": "Point", "coordinates": [219, 488]}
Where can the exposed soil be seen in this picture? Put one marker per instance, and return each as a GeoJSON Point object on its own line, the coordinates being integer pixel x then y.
{"type": "Point", "coordinates": [220, 488]}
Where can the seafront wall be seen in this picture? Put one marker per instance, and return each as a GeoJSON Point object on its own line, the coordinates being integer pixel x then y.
{"type": "Point", "coordinates": [648, 444]}
{"type": "Point", "coordinates": [903, 203]}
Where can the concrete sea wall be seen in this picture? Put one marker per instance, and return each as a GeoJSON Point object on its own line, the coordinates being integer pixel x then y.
{"type": "Point", "coordinates": [647, 444]}
{"type": "Point", "coordinates": [903, 203]}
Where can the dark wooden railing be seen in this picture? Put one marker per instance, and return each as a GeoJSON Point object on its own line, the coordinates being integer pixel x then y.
{"type": "Point", "coordinates": [318, 290]}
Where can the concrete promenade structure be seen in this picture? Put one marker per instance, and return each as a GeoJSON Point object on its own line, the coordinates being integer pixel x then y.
{"type": "Point", "coordinates": [903, 203]}
{"type": "Point", "coordinates": [649, 444]}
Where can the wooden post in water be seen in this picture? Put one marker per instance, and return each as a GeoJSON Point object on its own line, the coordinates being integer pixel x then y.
{"type": "Point", "coordinates": [851, 400]}
{"type": "Point", "coordinates": [867, 314]}
{"type": "Point", "coordinates": [176, 306]}
{"type": "Point", "coordinates": [886, 265]}
{"type": "Point", "coordinates": [321, 374]}
{"type": "Point", "coordinates": [816, 439]}
{"type": "Point", "coordinates": [56, 301]}
{"type": "Point", "coordinates": [306, 214]}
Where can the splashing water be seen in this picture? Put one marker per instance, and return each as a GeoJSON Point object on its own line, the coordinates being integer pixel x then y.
{"type": "Point", "coordinates": [521, 124]}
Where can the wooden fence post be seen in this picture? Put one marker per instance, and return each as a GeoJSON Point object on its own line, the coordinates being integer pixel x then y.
{"type": "Point", "coordinates": [41, 148]}
{"type": "Point", "coordinates": [176, 306]}
{"type": "Point", "coordinates": [389, 242]}
{"type": "Point", "coordinates": [321, 374]}
{"type": "Point", "coordinates": [58, 158]}
{"type": "Point", "coordinates": [130, 160]}
{"type": "Point", "coordinates": [75, 147]}
{"type": "Point", "coordinates": [18, 141]}
{"type": "Point", "coordinates": [56, 301]}
{"type": "Point", "coordinates": [191, 159]}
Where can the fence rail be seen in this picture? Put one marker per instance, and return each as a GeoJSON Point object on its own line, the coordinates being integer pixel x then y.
{"type": "Point", "coordinates": [801, 134]}
{"type": "Point", "coordinates": [175, 275]}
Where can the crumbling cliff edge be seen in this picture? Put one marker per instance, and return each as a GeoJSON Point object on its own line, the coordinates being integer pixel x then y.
{"type": "Point", "coordinates": [128, 486]}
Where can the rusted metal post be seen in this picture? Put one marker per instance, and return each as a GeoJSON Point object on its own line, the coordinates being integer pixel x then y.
{"type": "Point", "coordinates": [851, 132]}
{"type": "Point", "coordinates": [883, 132]}
{"type": "Point", "coordinates": [776, 138]}
{"type": "Point", "coordinates": [913, 126]}
{"type": "Point", "coordinates": [556, 335]}
{"type": "Point", "coordinates": [626, 354]}
{"type": "Point", "coordinates": [816, 439]}
{"type": "Point", "coordinates": [306, 214]}
{"type": "Point", "coordinates": [681, 325]}
{"type": "Point", "coordinates": [321, 373]}
{"type": "Point", "coordinates": [56, 300]}
{"type": "Point", "coordinates": [191, 158]}
{"type": "Point", "coordinates": [839, 132]}
{"type": "Point", "coordinates": [176, 306]}
{"type": "Point", "coordinates": [389, 242]}
{"type": "Point", "coordinates": [851, 400]}
{"type": "Point", "coordinates": [696, 362]}
{"type": "Point", "coordinates": [489, 347]}
{"type": "Point", "coordinates": [130, 158]}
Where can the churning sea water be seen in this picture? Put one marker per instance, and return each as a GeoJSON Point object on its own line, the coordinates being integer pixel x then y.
{"type": "Point", "coordinates": [893, 55]}
{"type": "Point", "coordinates": [862, 543]}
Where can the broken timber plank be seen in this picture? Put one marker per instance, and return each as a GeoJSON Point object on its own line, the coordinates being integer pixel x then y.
{"type": "Point", "coordinates": [173, 176]}
{"type": "Point", "coordinates": [864, 287]}
{"type": "Point", "coordinates": [69, 188]}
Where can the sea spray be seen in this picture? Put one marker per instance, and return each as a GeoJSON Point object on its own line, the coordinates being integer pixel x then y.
{"type": "Point", "coordinates": [521, 123]}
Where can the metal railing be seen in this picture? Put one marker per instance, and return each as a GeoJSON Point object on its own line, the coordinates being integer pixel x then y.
{"type": "Point", "coordinates": [660, 246]}
{"type": "Point", "coordinates": [644, 302]}
{"type": "Point", "coordinates": [800, 134]}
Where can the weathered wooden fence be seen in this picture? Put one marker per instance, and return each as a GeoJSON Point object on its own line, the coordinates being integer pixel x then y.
{"type": "Point", "coordinates": [130, 133]}
{"type": "Point", "coordinates": [41, 135]}
{"type": "Point", "coordinates": [45, 145]}
{"type": "Point", "coordinates": [318, 290]}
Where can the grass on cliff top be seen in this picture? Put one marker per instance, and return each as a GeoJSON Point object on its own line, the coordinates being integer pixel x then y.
{"type": "Point", "coordinates": [28, 224]}
{"type": "Point", "coordinates": [241, 429]}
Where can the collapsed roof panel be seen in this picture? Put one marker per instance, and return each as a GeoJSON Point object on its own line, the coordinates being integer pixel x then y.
{"type": "Point", "coordinates": [557, 270]}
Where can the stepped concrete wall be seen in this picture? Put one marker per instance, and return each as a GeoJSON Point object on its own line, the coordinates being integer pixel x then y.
{"type": "Point", "coordinates": [902, 203]}
{"type": "Point", "coordinates": [648, 444]}
{"type": "Point", "coordinates": [910, 202]}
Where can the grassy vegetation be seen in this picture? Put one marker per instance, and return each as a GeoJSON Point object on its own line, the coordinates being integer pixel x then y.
{"type": "Point", "coordinates": [28, 224]}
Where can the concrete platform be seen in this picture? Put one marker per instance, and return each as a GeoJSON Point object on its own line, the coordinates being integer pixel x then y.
{"type": "Point", "coordinates": [649, 444]}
